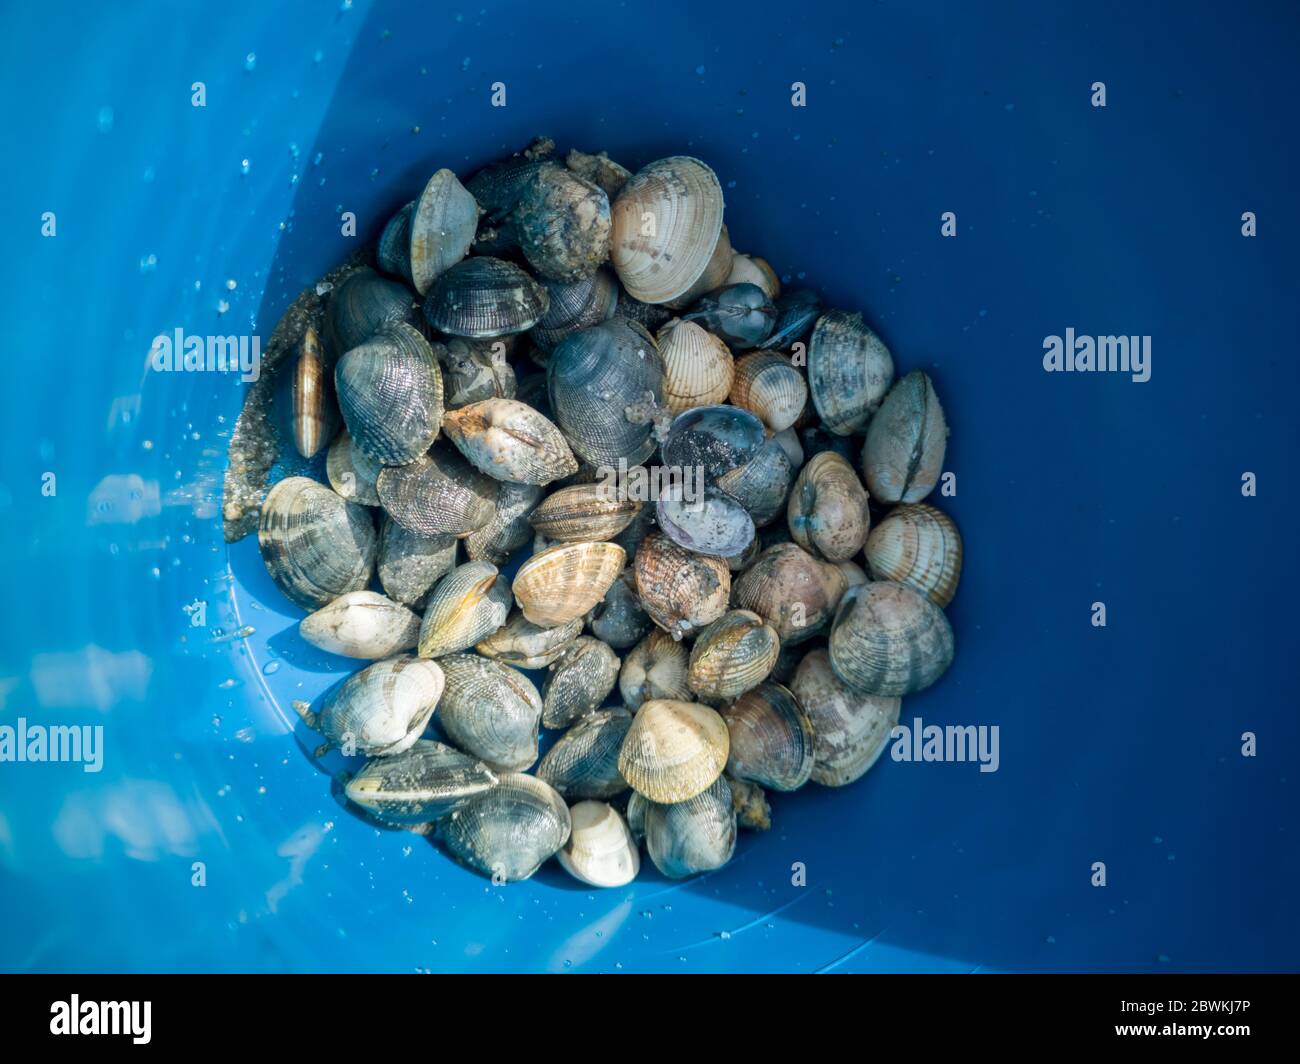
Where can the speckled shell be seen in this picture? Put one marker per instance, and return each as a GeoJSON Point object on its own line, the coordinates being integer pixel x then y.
{"type": "Point", "coordinates": [708, 521]}
{"type": "Point", "coordinates": [393, 252]}
{"type": "Point", "coordinates": [419, 785]}
{"type": "Point", "coordinates": [854, 574]}
{"type": "Point", "coordinates": [583, 763]}
{"type": "Point", "coordinates": [589, 513]}
{"type": "Point", "coordinates": [762, 484]}
{"type": "Point", "coordinates": [315, 545]}
{"type": "Point", "coordinates": [849, 370]}
{"type": "Point", "coordinates": [443, 225]}
{"type": "Point", "coordinates": [714, 438]}
{"type": "Point", "coordinates": [468, 604]}
{"type": "Point", "coordinates": [674, 750]}
{"type": "Point", "coordinates": [889, 639]}
{"type": "Point", "coordinates": [577, 682]}
{"type": "Point", "coordinates": [682, 592]}
{"type": "Point", "coordinates": [509, 831]}
{"type": "Point", "coordinates": [315, 411]}
{"type": "Point", "coordinates": [362, 624]}
{"type": "Point", "coordinates": [509, 440]}
{"type": "Point", "coordinates": [474, 370]}
{"type": "Point", "coordinates": [666, 223]}
{"type": "Point", "coordinates": [565, 581]}
{"type": "Point", "coordinates": [575, 305]}
{"type": "Point", "coordinates": [383, 709]}
{"type": "Point", "coordinates": [850, 730]}
{"type": "Point", "coordinates": [410, 564]}
{"type": "Point", "coordinates": [351, 474]}
{"type": "Point", "coordinates": [438, 493]}
{"type": "Point", "coordinates": [655, 669]}
{"type": "Point", "coordinates": [733, 654]}
{"type": "Point", "coordinates": [362, 305]}
{"type": "Point", "coordinates": [601, 851]}
{"type": "Point", "coordinates": [619, 618]}
{"type": "Point", "coordinates": [903, 456]}
{"type": "Point", "coordinates": [769, 386]}
{"type": "Point", "coordinates": [599, 169]}
{"type": "Point", "coordinates": [795, 592]}
{"type": "Point", "coordinates": [828, 511]}
{"type": "Point", "coordinates": [482, 297]}
{"type": "Point", "coordinates": [919, 546]}
{"type": "Point", "coordinates": [509, 529]}
{"type": "Point", "coordinates": [526, 645]}
{"type": "Point", "coordinates": [750, 802]}
{"type": "Point", "coordinates": [490, 711]}
{"type": "Point", "coordinates": [698, 367]}
{"type": "Point", "coordinates": [771, 738]}
{"type": "Point", "coordinates": [562, 222]}
{"type": "Point", "coordinates": [751, 269]}
{"type": "Point", "coordinates": [697, 835]}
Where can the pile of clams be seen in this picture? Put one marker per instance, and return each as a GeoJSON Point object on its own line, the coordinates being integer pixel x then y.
{"type": "Point", "coordinates": [561, 424]}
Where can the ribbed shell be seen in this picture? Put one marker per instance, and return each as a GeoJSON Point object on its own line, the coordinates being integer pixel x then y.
{"type": "Point", "coordinates": [828, 512]}
{"type": "Point", "coordinates": [619, 618]}
{"type": "Point", "coordinates": [469, 603]}
{"type": "Point", "coordinates": [351, 474]}
{"type": "Point", "coordinates": [490, 711]}
{"type": "Point", "coordinates": [509, 831]}
{"type": "Point", "coordinates": [509, 440]}
{"type": "Point", "coordinates": [698, 835]}
{"type": "Point", "coordinates": [438, 493]}
{"type": "Point", "coordinates": [578, 682]}
{"type": "Point", "coordinates": [849, 370]}
{"type": "Point", "coordinates": [919, 546]}
{"type": "Point", "coordinates": [682, 592]}
{"type": "Point", "coordinates": [850, 730]}
{"type": "Point", "coordinates": [575, 305]}
{"type": "Point", "coordinates": [674, 750]}
{"type": "Point", "coordinates": [698, 367]}
{"type": "Point", "coordinates": [795, 592]}
{"type": "Point", "coordinates": [474, 370]}
{"type": "Point", "coordinates": [889, 639]}
{"type": "Point", "coordinates": [772, 738]}
{"type": "Point", "coordinates": [419, 785]}
{"type": "Point", "coordinates": [666, 222]}
{"type": "Point", "coordinates": [562, 222]}
{"type": "Point", "coordinates": [526, 645]}
{"type": "Point", "coordinates": [498, 186]}
{"type": "Point", "coordinates": [410, 564]}
{"type": "Point", "coordinates": [509, 529]}
{"type": "Point", "coordinates": [768, 385]}
{"type": "Point", "coordinates": [714, 275]}
{"type": "Point", "coordinates": [315, 545]}
{"type": "Point", "coordinates": [362, 305]}
{"type": "Point", "coordinates": [762, 484]}
{"type": "Point", "coordinates": [583, 763]}
{"type": "Point", "coordinates": [482, 297]}
{"type": "Point", "coordinates": [584, 513]}
{"type": "Point", "coordinates": [601, 851]}
{"type": "Point", "coordinates": [383, 709]}
{"type": "Point", "coordinates": [442, 228]}
{"type": "Point", "coordinates": [733, 654]}
{"type": "Point", "coordinates": [315, 411]}
{"type": "Point", "coordinates": [654, 669]}
{"type": "Point", "coordinates": [362, 624]}
{"type": "Point", "coordinates": [565, 581]}
{"type": "Point", "coordinates": [394, 249]}
{"type": "Point", "coordinates": [751, 269]}
{"type": "Point", "coordinates": [903, 456]}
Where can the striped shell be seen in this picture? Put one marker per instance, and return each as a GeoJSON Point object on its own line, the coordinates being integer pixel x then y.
{"type": "Point", "coordinates": [849, 370]}
{"type": "Point", "coordinates": [362, 305]}
{"type": "Point", "coordinates": [733, 654]}
{"type": "Point", "coordinates": [509, 529]}
{"type": "Point", "coordinates": [509, 831]}
{"type": "Point", "coordinates": [674, 750]}
{"type": "Point", "coordinates": [575, 305]}
{"type": "Point", "coordinates": [588, 513]}
{"type": "Point", "coordinates": [828, 512]}
{"type": "Point", "coordinates": [889, 639]}
{"type": "Point", "coordinates": [490, 711]}
{"type": "Point", "coordinates": [470, 602]}
{"type": "Point", "coordinates": [418, 785]}
{"type": "Point", "coordinates": [698, 367]}
{"type": "Point", "coordinates": [768, 385]}
{"type": "Point", "coordinates": [315, 412]}
{"type": "Point", "coordinates": [771, 738]}
{"type": "Point", "coordinates": [583, 763]}
{"type": "Point", "coordinates": [437, 493]}
{"type": "Point", "coordinates": [681, 591]}
{"type": "Point", "coordinates": [578, 682]}
{"type": "Point", "coordinates": [697, 835]}
{"type": "Point", "coordinates": [482, 297]}
{"type": "Point", "coordinates": [906, 440]}
{"type": "Point", "coordinates": [850, 730]}
{"type": "Point", "coordinates": [565, 581]}
{"type": "Point", "coordinates": [793, 591]}
{"type": "Point", "coordinates": [919, 546]}
{"type": "Point", "coordinates": [655, 669]}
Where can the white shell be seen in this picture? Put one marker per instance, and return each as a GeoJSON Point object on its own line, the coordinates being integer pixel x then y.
{"type": "Point", "coordinates": [698, 367]}
{"type": "Point", "coordinates": [362, 624]}
{"type": "Point", "coordinates": [600, 850]}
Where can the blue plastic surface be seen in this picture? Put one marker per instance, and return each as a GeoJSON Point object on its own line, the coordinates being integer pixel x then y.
{"type": "Point", "coordinates": [1120, 745]}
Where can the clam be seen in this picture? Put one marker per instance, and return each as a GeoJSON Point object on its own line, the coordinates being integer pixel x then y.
{"type": "Point", "coordinates": [315, 545]}
{"type": "Point", "coordinates": [889, 639]}
{"type": "Point", "coordinates": [751, 269]}
{"type": "Point", "coordinates": [771, 738]}
{"type": "Point", "coordinates": [665, 226]}
{"type": "Point", "coordinates": [674, 750]}
{"type": "Point", "coordinates": [630, 538]}
{"type": "Point", "coordinates": [681, 591]}
{"type": "Point", "coordinates": [362, 624]}
{"type": "Point", "coordinates": [792, 446]}
{"type": "Point", "coordinates": [786, 663]}
{"type": "Point", "coordinates": [698, 368]}
{"type": "Point", "coordinates": [509, 528]}
{"type": "Point", "coordinates": [716, 439]}
{"type": "Point", "coordinates": [600, 170]}
{"type": "Point", "coordinates": [491, 711]}
{"type": "Point", "coordinates": [468, 604]}
{"type": "Point", "coordinates": [651, 316]}
{"type": "Point", "coordinates": [575, 305]}
{"type": "Point", "coordinates": [362, 305]}
{"type": "Point", "coordinates": [509, 440]}
{"type": "Point", "coordinates": [482, 297]}
{"type": "Point", "coordinates": [849, 729]}
{"type": "Point", "coordinates": [604, 384]}
{"type": "Point", "coordinates": [741, 314]}
{"type": "Point", "coordinates": [410, 564]}
{"type": "Point", "coordinates": [526, 645]}
{"type": "Point", "coordinates": [768, 385]}
{"type": "Point", "coordinates": [442, 228]}
{"type": "Point", "coordinates": [565, 581]}
{"type": "Point", "coordinates": [654, 669]}
{"type": "Point", "coordinates": [854, 574]}
{"type": "Point", "coordinates": [828, 511]}
{"type": "Point", "coordinates": [636, 810]}
{"type": "Point", "coordinates": [746, 558]}
{"type": "Point", "coordinates": [315, 412]}
{"type": "Point", "coordinates": [693, 836]}
{"type": "Point", "coordinates": [510, 830]}
{"type": "Point", "coordinates": [583, 763]}
{"type": "Point", "coordinates": [793, 591]}
{"type": "Point", "coordinates": [920, 546]}
{"type": "Point", "coordinates": [584, 513]}
{"type": "Point", "coordinates": [601, 851]}
{"type": "Point", "coordinates": [351, 473]}
{"type": "Point", "coordinates": [619, 619]}
{"type": "Point", "coordinates": [390, 393]}
{"type": "Point", "coordinates": [733, 654]}
{"type": "Point", "coordinates": [795, 314]}
{"type": "Point", "coordinates": [498, 186]}
{"type": "Point", "coordinates": [903, 455]}
{"type": "Point", "coordinates": [562, 223]}
{"type": "Point", "coordinates": [474, 370]}
{"type": "Point", "coordinates": [379, 711]}
{"type": "Point", "coordinates": [438, 493]}
{"type": "Point", "coordinates": [714, 275]}
{"type": "Point", "coordinates": [762, 484]}
{"type": "Point", "coordinates": [419, 785]}
{"type": "Point", "coordinates": [750, 802]}
{"type": "Point", "coordinates": [711, 522]}
{"type": "Point", "coordinates": [577, 683]}
{"type": "Point", "coordinates": [393, 252]}
{"type": "Point", "coordinates": [849, 370]}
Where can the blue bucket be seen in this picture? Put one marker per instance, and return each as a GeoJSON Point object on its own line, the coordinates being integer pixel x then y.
{"type": "Point", "coordinates": [1130, 824]}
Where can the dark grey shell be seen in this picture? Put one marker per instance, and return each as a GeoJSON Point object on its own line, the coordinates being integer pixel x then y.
{"type": "Point", "coordinates": [795, 314]}
{"type": "Point", "coordinates": [474, 370]}
{"type": "Point", "coordinates": [509, 831]}
{"type": "Point", "coordinates": [906, 440]}
{"type": "Point", "coordinates": [762, 484]}
{"type": "Point", "coordinates": [351, 473]}
{"type": "Point", "coordinates": [438, 493]}
{"type": "Point", "coordinates": [509, 528]}
{"type": "Point", "coordinates": [715, 438]}
{"type": "Point", "coordinates": [383, 709]}
{"type": "Point", "coordinates": [740, 313]}
{"type": "Point", "coordinates": [697, 835]}
{"type": "Point", "coordinates": [772, 738]}
{"type": "Point", "coordinates": [651, 316]}
{"type": "Point", "coordinates": [532, 390]}
{"type": "Point", "coordinates": [619, 619]}
{"type": "Point", "coordinates": [583, 763]}
{"type": "Point", "coordinates": [562, 223]}
{"type": "Point", "coordinates": [491, 711]}
{"type": "Point", "coordinates": [604, 384]}
{"type": "Point", "coordinates": [499, 185]}
{"type": "Point", "coordinates": [394, 250]}
{"type": "Point", "coordinates": [577, 682]}
{"type": "Point", "coordinates": [364, 304]}
{"type": "Point", "coordinates": [575, 305]}
{"type": "Point", "coordinates": [410, 564]}
{"type": "Point", "coordinates": [482, 297]}
{"type": "Point", "coordinates": [849, 370]}
{"type": "Point", "coordinates": [315, 545]}
{"type": "Point", "coordinates": [418, 785]}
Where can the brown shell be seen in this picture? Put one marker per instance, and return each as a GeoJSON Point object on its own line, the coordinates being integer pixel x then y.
{"type": "Point", "coordinates": [889, 639]}
{"type": "Point", "coordinates": [920, 546]}
{"type": "Point", "coordinates": [828, 511]}
{"type": "Point", "coordinates": [680, 590]}
{"type": "Point", "coordinates": [772, 738]}
{"type": "Point", "coordinates": [768, 385]}
{"type": "Point", "coordinates": [795, 592]}
{"type": "Point", "coordinates": [584, 513]}
{"type": "Point", "coordinates": [674, 750]}
{"type": "Point", "coordinates": [733, 654]}
{"type": "Point", "coordinates": [850, 729]}
{"type": "Point", "coordinates": [698, 367]}
{"type": "Point", "coordinates": [565, 581]}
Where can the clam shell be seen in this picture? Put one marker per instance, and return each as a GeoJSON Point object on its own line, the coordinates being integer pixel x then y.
{"type": "Point", "coordinates": [601, 851]}
{"type": "Point", "coordinates": [795, 314]}
{"type": "Point", "coordinates": [733, 654]}
{"type": "Point", "coordinates": [681, 591]}
{"type": "Point", "coordinates": [648, 315]}
{"type": "Point", "coordinates": [418, 785]}
{"type": "Point", "coordinates": [698, 367]}
{"type": "Point", "coordinates": [490, 711]}
{"type": "Point", "coordinates": [849, 370]}
{"type": "Point", "coordinates": [771, 738]}
{"type": "Point", "coordinates": [711, 522]}
{"type": "Point", "coordinates": [751, 269]}
{"type": "Point", "coordinates": [362, 624]}
{"type": "Point", "coordinates": [442, 228]}
{"type": "Point", "coordinates": [438, 493]}
{"type": "Point", "coordinates": [564, 582]}
{"type": "Point", "coordinates": [716, 439]}
{"type": "Point", "coordinates": [315, 545]}
{"type": "Point", "coordinates": [828, 511]}
{"type": "Point", "coordinates": [665, 226]}
{"type": "Point", "coordinates": [674, 750]}
{"type": "Point", "coordinates": [636, 810]}
{"type": "Point", "coordinates": [714, 275]}
{"type": "Point", "coordinates": [509, 440]}
{"type": "Point", "coordinates": [583, 763]}
{"type": "Point", "coordinates": [903, 456]}
{"type": "Point", "coordinates": [741, 314]}
{"type": "Point", "coordinates": [509, 528]}
{"type": "Point", "coordinates": [562, 223]}
{"type": "Point", "coordinates": [618, 619]}
{"type": "Point", "coordinates": [467, 605]}
{"type": "Point", "coordinates": [795, 592]}
{"type": "Point", "coordinates": [697, 835]}
{"type": "Point", "coordinates": [768, 385]}
{"type": "Point", "coordinates": [600, 170]}
{"type": "Point", "coordinates": [850, 730]}
{"type": "Point", "coordinates": [919, 546]}
{"type": "Point", "coordinates": [482, 297]}
{"type": "Point", "coordinates": [654, 669]}
{"type": "Point", "coordinates": [351, 474]}
{"type": "Point", "coordinates": [575, 305]}
{"type": "Point", "coordinates": [474, 370]}
{"type": "Point", "coordinates": [526, 645]}
{"type": "Point", "coordinates": [750, 802]}
{"type": "Point", "coordinates": [509, 831]}
{"type": "Point", "coordinates": [362, 305]}
{"type": "Point", "coordinates": [791, 445]}
{"type": "Point", "coordinates": [499, 185]}
{"type": "Point", "coordinates": [587, 513]}
{"type": "Point", "coordinates": [381, 710]}
{"type": "Point", "coordinates": [762, 484]}
{"type": "Point", "coordinates": [393, 252]}
{"type": "Point", "coordinates": [889, 639]}
{"type": "Point", "coordinates": [315, 412]}
{"type": "Point", "coordinates": [410, 564]}
{"type": "Point", "coordinates": [578, 682]}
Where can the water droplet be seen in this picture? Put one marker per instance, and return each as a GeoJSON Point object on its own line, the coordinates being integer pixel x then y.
{"type": "Point", "coordinates": [271, 668]}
